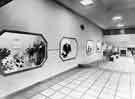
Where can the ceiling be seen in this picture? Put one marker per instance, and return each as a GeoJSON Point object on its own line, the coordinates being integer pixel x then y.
{"type": "Point", "coordinates": [4, 2]}
{"type": "Point", "coordinates": [103, 11]}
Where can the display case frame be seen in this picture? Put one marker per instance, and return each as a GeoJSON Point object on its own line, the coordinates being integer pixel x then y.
{"type": "Point", "coordinates": [26, 33]}
{"type": "Point", "coordinates": [92, 50]}
{"type": "Point", "coordinates": [98, 46]}
{"type": "Point", "coordinates": [73, 57]}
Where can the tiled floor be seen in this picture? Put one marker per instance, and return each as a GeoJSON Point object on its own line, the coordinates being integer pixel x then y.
{"type": "Point", "coordinates": [122, 64]}
{"type": "Point", "coordinates": [84, 83]}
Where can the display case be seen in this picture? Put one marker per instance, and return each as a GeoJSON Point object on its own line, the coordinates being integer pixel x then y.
{"type": "Point", "coordinates": [21, 51]}
{"type": "Point", "coordinates": [68, 48]}
{"type": "Point", "coordinates": [98, 46]}
{"type": "Point", "coordinates": [104, 46]}
{"type": "Point", "coordinates": [89, 47]}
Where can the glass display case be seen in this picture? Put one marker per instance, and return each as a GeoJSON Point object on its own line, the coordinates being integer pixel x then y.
{"type": "Point", "coordinates": [98, 46]}
{"type": "Point", "coordinates": [68, 48]}
{"type": "Point", "coordinates": [21, 51]}
{"type": "Point", "coordinates": [89, 47]}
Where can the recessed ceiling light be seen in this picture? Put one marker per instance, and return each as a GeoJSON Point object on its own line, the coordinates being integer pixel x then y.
{"type": "Point", "coordinates": [87, 2]}
{"type": "Point", "coordinates": [120, 25]}
{"type": "Point", "coordinates": [116, 18]}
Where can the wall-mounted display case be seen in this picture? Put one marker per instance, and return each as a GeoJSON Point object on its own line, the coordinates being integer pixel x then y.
{"type": "Point", "coordinates": [68, 48]}
{"type": "Point", "coordinates": [89, 47]}
{"type": "Point", "coordinates": [21, 51]}
{"type": "Point", "coordinates": [104, 46]}
{"type": "Point", "coordinates": [98, 46]}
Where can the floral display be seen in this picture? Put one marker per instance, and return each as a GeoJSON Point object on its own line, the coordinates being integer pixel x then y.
{"type": "Point", "coordinates": [22, 56]}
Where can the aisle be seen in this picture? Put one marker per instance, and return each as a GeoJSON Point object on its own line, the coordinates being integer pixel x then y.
{"type": "Point", "coordinates": [122, 64]}
{"type": "Point", "coordinates": [83, 83]}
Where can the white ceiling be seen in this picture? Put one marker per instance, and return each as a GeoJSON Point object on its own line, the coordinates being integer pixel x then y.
{"type": "Point", "coordinates": [104, 10]}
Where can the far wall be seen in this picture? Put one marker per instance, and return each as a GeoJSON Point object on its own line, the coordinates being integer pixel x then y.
{"type": "Point", "coordinates": [124, 40]}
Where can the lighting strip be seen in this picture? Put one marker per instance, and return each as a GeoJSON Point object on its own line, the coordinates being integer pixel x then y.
{"type": "Point", "coordinates": [120, 25]}
{"type": "Point", "coordinates": [116, 18]}
{"type": "Point", "coordinates": [87, 2]}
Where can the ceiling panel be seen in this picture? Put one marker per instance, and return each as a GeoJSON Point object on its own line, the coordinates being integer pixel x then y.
{"type": "Point", "coordinates": [119, 4]}
{"type": "Point", "coordinates": [4, 2]}
{"type": "Point", "coordinates": [104, 10]}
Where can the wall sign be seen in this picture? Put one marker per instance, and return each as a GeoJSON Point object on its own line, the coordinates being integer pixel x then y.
{"type": "Point", "coordinates": [21, 51]}
{"type": "Point", "coordinates": [89, 47]}
{"type": "Point", "coordinates": [68, 48]}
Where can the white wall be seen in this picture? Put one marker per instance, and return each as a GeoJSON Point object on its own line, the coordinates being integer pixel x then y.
{"type": "Point", "coordinates": [124, 40]}
{"type": "Point", "coordinates": [54, 22]}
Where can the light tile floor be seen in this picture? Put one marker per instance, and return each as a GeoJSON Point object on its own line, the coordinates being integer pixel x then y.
{"type": "Point", "coordinates": [84, 83]}
{"type": "Point", "coordinates": [124, 64]}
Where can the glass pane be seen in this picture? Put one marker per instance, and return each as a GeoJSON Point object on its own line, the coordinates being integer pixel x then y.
{"type": "Point", "coordinates": [68, 48]}
{"type": "Point", "coordinates": [20, 51]}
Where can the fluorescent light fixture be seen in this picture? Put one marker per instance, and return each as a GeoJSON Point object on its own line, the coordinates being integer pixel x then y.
{"type": "Point", "coordinates": [87, 2]}
{"type": "Point", "coordinates": [116, 18]}
{"type": "Point", "coordinates": [120, 25]}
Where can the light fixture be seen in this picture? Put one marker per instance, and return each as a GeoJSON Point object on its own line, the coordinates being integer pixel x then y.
{"type": "Point", "coordinates": [120, 25]}
{"type": "Point", "coordinates": [87, 2]}
{"type": "Point", "coordinates": [116, 18]}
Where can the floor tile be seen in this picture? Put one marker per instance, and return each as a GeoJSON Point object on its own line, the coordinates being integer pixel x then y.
{"type": "Point", "coordinates": [57, 95]}
{"type": "Point", "coordinates": [56, 87]}
{"type": "Point", "coordinates": [48, 92]}
{"type": "Point", "coordinates": [76, 82]}
{"type": "Point", "coordinates": [63, 83]}
{"type": "Point", "coordinates": [65, 90]}
{"type": "Point", "coordinates": [70, 97]}
{"type": "Point", "coordinates": [120, 94]}
{"type": "Point", "coordinates": [108, 91]}
{"type": "Point", "coordinates": [71, 86]}
{"type": "Point", "coordinates": [92, 92]}
{"type": "Point", "coordinates": [75, 94]}
{"type": "Point", "coordinates": [88, 97]}
{"type": "Point", "coordinates": [106, 96]}
{"type": "Point", "coordinates": [39, 96]}
{"type": "Point", "coordinates": [81, 89]}
{"type": "Point", "coordinates": [117, 97]}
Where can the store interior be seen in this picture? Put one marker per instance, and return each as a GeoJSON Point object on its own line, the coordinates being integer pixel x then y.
{"type": "Point", "coordinates": [67, 49]}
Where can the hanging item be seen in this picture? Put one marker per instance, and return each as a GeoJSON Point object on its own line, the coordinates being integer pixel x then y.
{"type": "Point", "coordinates": [68, 48]}
{"type": "Point", "coordinates": [21, 51]}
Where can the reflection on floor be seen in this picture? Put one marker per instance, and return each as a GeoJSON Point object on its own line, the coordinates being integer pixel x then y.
{"type": "Point", "coordinates": [122, 64]}
{"type": "Point", "coordinates": [83, 83]}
